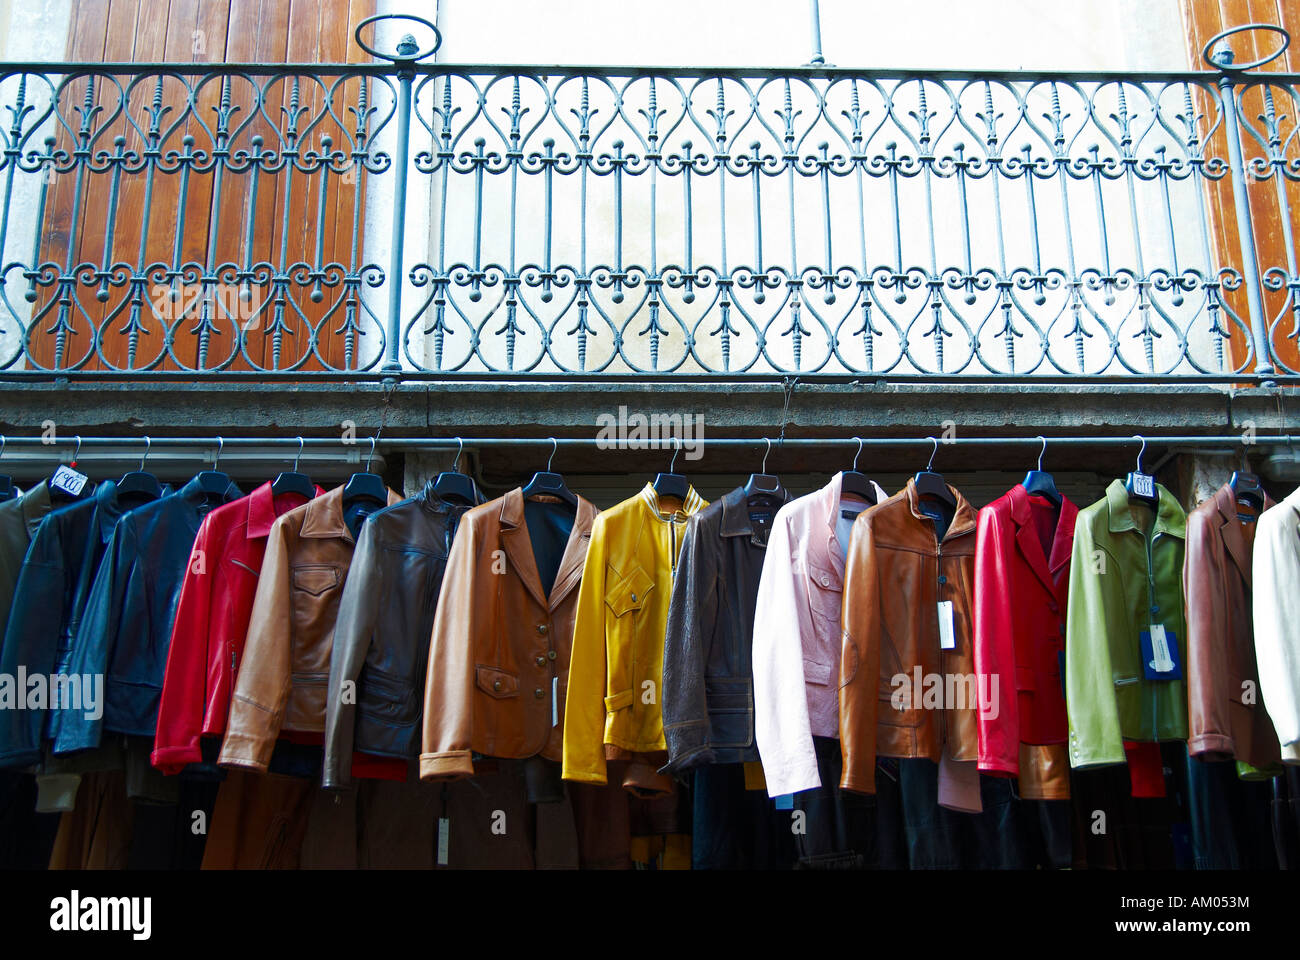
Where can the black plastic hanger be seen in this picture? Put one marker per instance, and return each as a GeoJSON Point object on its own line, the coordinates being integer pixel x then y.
{"type": "Point", "coordinates": [763, 486]}
{"type": "Point", "coordinates": [671, 484]}
{"type": "Point", "coordinates": [139, 482]}
{"type": "Point", "coordinates": [454, 485]}
{"type": "Point", "coordinates": [366, 485]}
{"type": "Point", "coordinates": [7, 491]}
{"type": "Point", "coordinates": [1142, 486]}
{"type": "Point", "coordinates": [1040, 483]}
{"type": "Point", "coordinates": [294, 482]}
{"type": "Point", "coordinates": [931, 484]}
{"type": "Point", "coordinates": [1246, 486]}
{"type": "Point", "coordinates": [546, 483]}
{"type": "Point", "coordinates": [213, 481]}
{"type": "Point", "coordinates": [855, 482]}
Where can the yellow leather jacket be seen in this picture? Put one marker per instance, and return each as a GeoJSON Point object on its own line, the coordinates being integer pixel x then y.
{"type": "Point", "coordinates": [615, 672]}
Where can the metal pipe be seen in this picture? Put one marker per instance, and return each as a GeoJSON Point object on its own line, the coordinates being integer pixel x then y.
{"type": "Point", "coordinates": [816, 11]}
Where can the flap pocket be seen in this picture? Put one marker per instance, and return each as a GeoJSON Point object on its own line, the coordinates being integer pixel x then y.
{"type": "Point", "coordinates": [619, 701]}
{"type": "Point", "coordinates": [727, 696]}
{"type": "Point", "coordinates": [315, 578]}
{"type": "Point", "coordinates": [496, 683]}
{"type": "Point", "coordinates": [824, 578]}
{"type": "Point", "coordinates": [818, 673]}
{"type": "Point", "coordinates": [627, 592]}
{"type": "Point", "coordinates": [1025, 679]}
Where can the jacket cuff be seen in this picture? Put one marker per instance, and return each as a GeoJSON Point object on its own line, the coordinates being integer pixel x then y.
{"type": "Point", "coordinates": [1219, 743]}
{"type": "Point", "coordinates": [999, 766]}
{"type": "Point", "coordinates": [699, 756]}
{"type": "Point", "coordinates": [243, 750]}
{"type": "Point", "coordinates": [782, 782]}
{"type": "Point", "coordinates": [446, 766]}
{"type": "Point", "coordinates": [171, 760]}
{"type": "Point", "coordinates": [686, 741]}
{"type": "Point", "coordinates": [854, 783]}
{"type": "Point", "coordinates": [583, 776]}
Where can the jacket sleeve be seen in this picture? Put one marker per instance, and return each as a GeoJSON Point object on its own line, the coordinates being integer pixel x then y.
{"type": "Point", "coordinates": [1207, 631]}
{"type": "Point", "coordinates": [860, 660]}
{"type": "Point", "coordinates": [31, 640]}
{"type": "Point", "coordinates": [96, 639]}
{"type": "Point", "coordinates": [353, 632]}
{"type": "Point", "coordinates": [584, 704]}
{"type": "Point", "coordinates": [998, 725]}
{"type": "Point", "coordinates": [691, 616]}
{"type": "Point", "coordinates": [265, 673]}
{"type": "Point", "coordinates": [184, 691]}
{"type": "Point", "coordinates": [1275, 574]}
{"type": "Point", "coordinates": [1095, 738]}
{"type": "Point", "coordinates": [447, 751]}
{"type": "Point", "coordinates": [782, 729]}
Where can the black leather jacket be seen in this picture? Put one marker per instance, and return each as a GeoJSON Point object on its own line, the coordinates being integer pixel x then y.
{"type": "Point", "coordinates": [708, 680]}
{"type": "Point", "coordinates": [53, 586]}
{"type": "Point", "coordinates": [126, 628]}
{"type": "Point", "coordinates": [381, 640]}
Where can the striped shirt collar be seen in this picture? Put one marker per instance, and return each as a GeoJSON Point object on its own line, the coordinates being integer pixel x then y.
{"type": "Point", "coordinates": [693, 503]}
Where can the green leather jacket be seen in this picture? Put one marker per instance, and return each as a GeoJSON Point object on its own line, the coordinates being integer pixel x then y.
{"type": "Point", "coordinates": [1122, 581]}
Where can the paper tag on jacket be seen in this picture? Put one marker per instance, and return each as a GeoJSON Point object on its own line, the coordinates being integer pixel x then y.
{"type": "Point", "coordinates": [555, 701]}
{"type": "Point", "coordinates": [68, 480]}
{"type": "Point", "coordinates": [444, 833]}
{"type": "Point", "coordinates": [1160, 654]}
{"type": "Point", "coordinates": [784, 802]}
{"type": "Point", "coordinates": [947, 639]}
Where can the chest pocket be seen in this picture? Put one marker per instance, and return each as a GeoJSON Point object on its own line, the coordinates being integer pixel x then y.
{"type": "Point", "coordinates": [626, 593]}
{"type": "Point", "coordinates": [315, 578]}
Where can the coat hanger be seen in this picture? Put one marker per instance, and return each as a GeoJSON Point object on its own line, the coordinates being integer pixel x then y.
{"type": "Point", "coordinates": [454, 485]}
{"type": "Point", "coordinates": [294, 482]}
{"type": "Point", "coordinates": [855, 482]}
{"type": "Point", "coordinates": [546, 483]}
{"type": "Point", "coordinates": [213, 481]}
{"type": "Point", "coordinates": [1142, 486]}
{"type": "Point", "coordinates": [1246, 485]}
{"type": "Point", "coordinates": [671, 484]}
{"type": "Point", "coordinates": [7, 491]}
{"type": "Point", "coordinates": [764, 486]}
{"type": "Point", "coordinates": [1040, 483]}
{"type": "Point", "coordinates": [139, 482]}
{"type": "Point", "coordinates": [931, 484]}
{"type": "Point", "coordinates": [366, 485]}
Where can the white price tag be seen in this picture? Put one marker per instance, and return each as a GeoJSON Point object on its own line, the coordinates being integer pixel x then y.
{"type": "Point", "coordinates": [68, 480]}
{"type": "Point", "coordinates": [555, 700]}
{"type": "Point", "coordinates": [1144, 485]}
{"type": "Point", "coordinates": [1162, 662]}
{"type": "Point", "coordinates": [444, 833]}
{"type": "Point", "coordinates": [947, 639]}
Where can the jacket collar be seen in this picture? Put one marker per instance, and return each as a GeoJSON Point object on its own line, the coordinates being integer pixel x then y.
{"type": "Point", "coordinates": [1044, 567]}
{"type": "Point", "coordinates": [429, 499]}
{"type": "Point", "coordinates": [1230, 528]}
{"type": "Point", "coordinates": [692, 504]}
{"type": "Point", "coordinates": [519, 548]}
{"type": "Point", "coordinates": [262, 512]}
{"type": "Point", "coordinates": [829, 507]}
{"type": "Point", "coordinates": [964, 517]}
{"type": "Point", "coordinates": [735, 514]}
{"type": "Point", "coordinates": [323, 517]}
{"type": "Point", "coordinates": [109, 507]}
{"type": "Point", "coordinates": [35, 504]}
{"type": "Point", "coordinates": [1170, 518]}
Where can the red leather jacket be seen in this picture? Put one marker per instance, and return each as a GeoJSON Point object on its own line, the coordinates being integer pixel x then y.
{"type": "Point", "coordinates": [1022, 579]}
{"type": "Point", "coordinates": [212, 622]}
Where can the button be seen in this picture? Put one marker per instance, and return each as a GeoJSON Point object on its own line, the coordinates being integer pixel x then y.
{"type": "Point", "coordinates": [539, 693]}
{"type": "Point", "coordinates": [496, 684]}
{"type": "Point", "coordinates": [634, 598]}
{"type": "Point", "coordinates": [1155, 608]}
{"type": "Point", "coordinates": [550, 654]}
{"type": "Point", "coordinates": [826, 581]}
{"type": "Point", "coordinates": [541, 628]}
{"type": "Point", "coordinates": [540, 661]}
{"type": "Point", "coordinates": [942, 578]}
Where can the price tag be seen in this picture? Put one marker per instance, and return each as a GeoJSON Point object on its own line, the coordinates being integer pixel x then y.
{"type": "Point", "coordinates": [68, 480]}
{"type": "Point", "coordinates": [1160, 654]}
{"type": "Point", "coordinates": [1144, 485]}
{"type": "Point", "coordinates": [784, 802]}
{"type": "Point", "coordinates": [555, 701]}
{"type": "Point", "coordinates": [947, 639]}
{"type": "Point", "coordinates": [444, 832]}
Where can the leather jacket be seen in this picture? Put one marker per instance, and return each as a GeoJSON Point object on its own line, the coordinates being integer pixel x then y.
{"type": "Point", "coordinates": [212, 617]}
{"type": "Point", "coordinates": [56, 575]}
{"type": "Point", "coordinates": [1226, 718]}
{"type": "Point", "coordinates": [898, 571]}
{"type": "Point", "coordinates": [708, 695]}
{"type": "Point", "coordinates": [797, 636]}
{"type": "Point", "coordinates": [616, 674]}
{"type": "Point", "coordinates": [1121, 582]}
{"type": "Point", "coordinates": [1022, 573]}
{"type": "Point", "coordinates": [1276, 605]}
{"type": "Point", "coordinates": [126, 629]}
{"type": "Point", "coordinates": [499, 656]}
{"type": "Point", "coordinates": [282, 683]}
{"type": "Point", "coordinates": [20, 518]}
{"type": "Point", "coordinates": [381, 643]}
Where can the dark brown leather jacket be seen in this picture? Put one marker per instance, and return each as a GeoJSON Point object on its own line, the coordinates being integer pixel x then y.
{"type": "Point", "coordinates": [1226, 715]}
{"type": "Point", "coordinates": [284, 676]}
{"type": "Point", "coordinates": [499, 652]}
{"type": "Point", "coordinates": [896, 575]}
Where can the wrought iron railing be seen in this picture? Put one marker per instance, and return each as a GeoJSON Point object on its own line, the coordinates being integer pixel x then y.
{"type": "Point", "coordinates": [427, 220]}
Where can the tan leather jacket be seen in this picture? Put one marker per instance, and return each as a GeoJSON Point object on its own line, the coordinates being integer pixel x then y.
{"type": "Point", "coordinates": [284, 676]}
{"type": "Point", "coordinates": [1226, 717]}
{"type": "Point", "coordinates": [897, 573]}
{"type": "Point", "coordinates": [499, 653]}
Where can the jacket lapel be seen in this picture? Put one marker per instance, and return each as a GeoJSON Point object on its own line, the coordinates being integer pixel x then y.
{"type": "Point", "coordinates": [575, 553]}
{"type": "Point", "coordinates": [1032, 550]}
{"type": "Point", "coordinates": [518, 545]}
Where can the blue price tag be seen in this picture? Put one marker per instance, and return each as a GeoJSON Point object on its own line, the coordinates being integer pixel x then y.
{"type": "Point", "coordinates": [785, 801]}
{"type": "Point", "coordinates": [1160, 660]}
